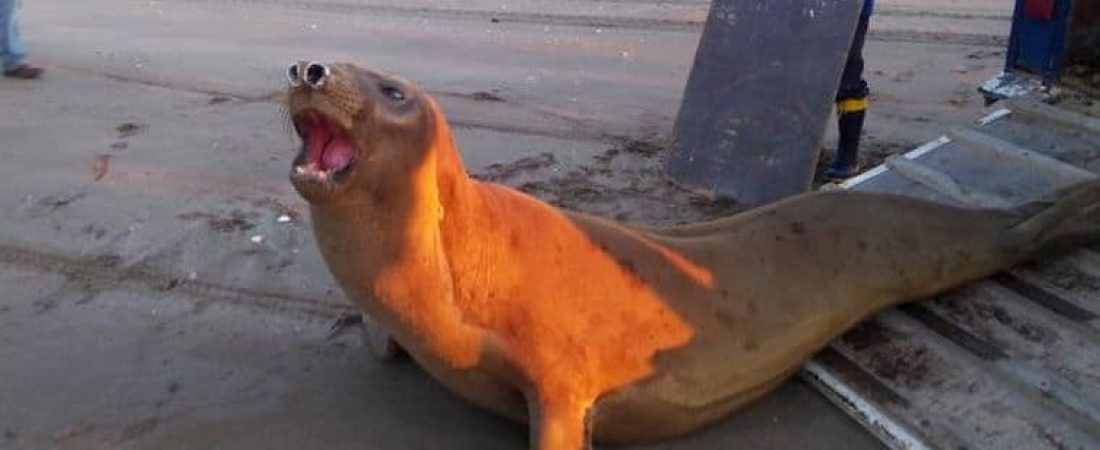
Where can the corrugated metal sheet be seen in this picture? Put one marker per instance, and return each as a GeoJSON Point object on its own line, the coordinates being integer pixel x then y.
{"type": "Point", "coordinates": [1011, 362]}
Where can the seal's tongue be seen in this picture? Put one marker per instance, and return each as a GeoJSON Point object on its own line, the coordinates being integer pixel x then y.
{"type": "Point", "coordinates": [328, 146]}
{"type": "Point", "coordinates": [337, 156]}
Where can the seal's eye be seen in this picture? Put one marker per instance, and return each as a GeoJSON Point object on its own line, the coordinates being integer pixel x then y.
{"type": "Point", "coordinates": [392, 93]}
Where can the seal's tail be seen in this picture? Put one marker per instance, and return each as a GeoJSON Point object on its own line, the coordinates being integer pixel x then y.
{"type": "Point", "coordinates": [1070, 218]}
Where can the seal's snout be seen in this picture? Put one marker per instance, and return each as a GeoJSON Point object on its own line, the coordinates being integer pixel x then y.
{"type": "Point", "coordinates": [316, 75]}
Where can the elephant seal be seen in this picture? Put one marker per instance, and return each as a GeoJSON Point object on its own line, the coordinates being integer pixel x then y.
{"type": "Point", "coordinates": [587, 328]}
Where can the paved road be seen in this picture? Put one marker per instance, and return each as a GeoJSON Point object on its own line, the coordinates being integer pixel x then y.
{"type": "Point", "coordinates": [152, 298]}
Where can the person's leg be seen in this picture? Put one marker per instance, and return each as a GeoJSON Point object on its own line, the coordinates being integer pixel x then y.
{"type": "Point", "coordinates": [12, 54]}
{"type": "Point", "coordinates": [11, 45]}
{"type": "Point", "coordinates": [851, 101]}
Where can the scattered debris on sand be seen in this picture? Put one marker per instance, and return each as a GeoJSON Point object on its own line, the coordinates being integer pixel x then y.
{"type": "Point", "coordinates": [625, 182]}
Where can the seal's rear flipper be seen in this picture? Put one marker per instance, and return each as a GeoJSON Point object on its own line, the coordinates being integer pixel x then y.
{"type": "Point", "coordinates": [1071, 217]}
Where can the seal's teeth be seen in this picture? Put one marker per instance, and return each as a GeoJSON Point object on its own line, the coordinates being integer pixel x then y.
{"type": "Point", "coordinates": [315, 172]}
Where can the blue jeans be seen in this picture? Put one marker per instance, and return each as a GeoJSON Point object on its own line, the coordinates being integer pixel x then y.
{"type": "Point", "coordinates": [11, 44]}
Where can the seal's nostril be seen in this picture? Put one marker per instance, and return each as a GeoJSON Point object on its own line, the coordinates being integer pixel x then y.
{"type": "Point", "coordinates": [293, 76]}
{"type": "Point", "coordinates": [316, 74]}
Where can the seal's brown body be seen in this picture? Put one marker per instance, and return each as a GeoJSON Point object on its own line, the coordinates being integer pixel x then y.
{"type": "Point", "coordinates": [583, 325]}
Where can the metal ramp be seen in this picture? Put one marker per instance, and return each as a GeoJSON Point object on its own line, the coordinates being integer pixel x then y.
{"type": "Point", "coordinates": [759, 96]}
{"type": "Point", "coordinates": [1010, 362]}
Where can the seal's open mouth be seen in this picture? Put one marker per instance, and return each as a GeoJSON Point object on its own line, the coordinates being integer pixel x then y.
{"type": "Point", "coordinates": [327, 152]}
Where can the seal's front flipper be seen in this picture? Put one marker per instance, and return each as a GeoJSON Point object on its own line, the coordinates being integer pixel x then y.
{"type": "Point", "coordinates": [382, 346]}
{"type": "Point", "coordinates": [559, 423]}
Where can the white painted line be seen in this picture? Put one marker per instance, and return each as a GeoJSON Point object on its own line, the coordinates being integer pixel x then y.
{"type": "Point", "coordinates": [994, 116]}
{"type": "Point", "coordinates": [852, 182]}
{"type": "Point", "coordinates": [901, 436]}
{"type": "Point", "coordinates": [920, 151]}
{"type": "Point", "coordinates": [878, 170]}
